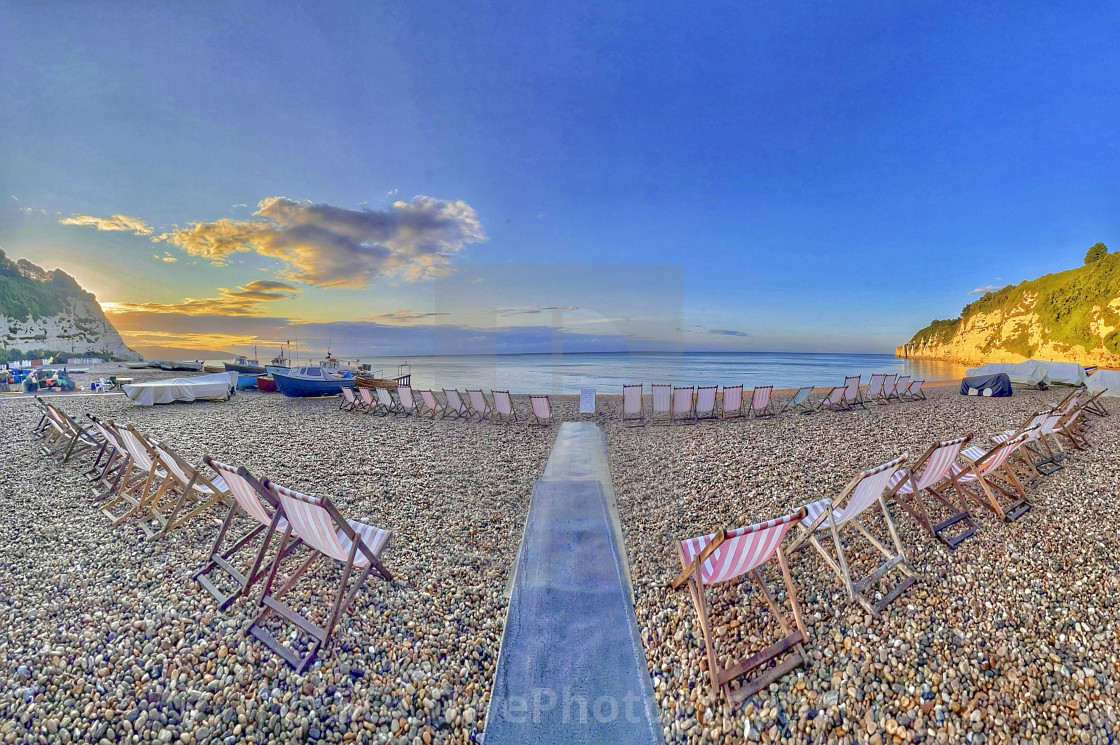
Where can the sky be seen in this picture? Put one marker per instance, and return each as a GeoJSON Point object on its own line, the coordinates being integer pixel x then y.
{"type": "Point", "coordinates": [426, 178]}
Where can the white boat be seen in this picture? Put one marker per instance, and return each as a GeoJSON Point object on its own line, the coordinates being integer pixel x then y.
{"type": "Point", "coordinates": [137, 365]}
{"type": "Point", "coordinates": [181, 366]}
{"type": "Point", "coordinates": [216, 387]}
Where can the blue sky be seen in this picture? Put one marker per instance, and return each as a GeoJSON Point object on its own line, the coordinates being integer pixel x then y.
{"type": "Point", "coordinates": [821, 177]}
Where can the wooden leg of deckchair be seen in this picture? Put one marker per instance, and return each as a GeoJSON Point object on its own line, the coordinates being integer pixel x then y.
{"type": "Point", "coordinates": [696, 590]}
{"type": "Point", "coordinates": [771, 603]}
{"type": "Point", "coordinates": [845, 576]}
{"type": "Point", "coordinates": [791, 591]}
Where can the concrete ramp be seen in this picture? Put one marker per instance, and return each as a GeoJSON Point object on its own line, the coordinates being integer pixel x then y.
{"type": "Point", "coordinates": [572, 668]}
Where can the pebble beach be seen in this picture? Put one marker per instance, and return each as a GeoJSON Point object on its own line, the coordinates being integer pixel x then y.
{"type": "Point", "coordinates": [1012, 638]}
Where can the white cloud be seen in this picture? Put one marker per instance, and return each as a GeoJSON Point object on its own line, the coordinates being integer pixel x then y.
{"type": "Point", "coordinates": [983, 290]}
{"type": "Point", "coordinates": [115, 223]}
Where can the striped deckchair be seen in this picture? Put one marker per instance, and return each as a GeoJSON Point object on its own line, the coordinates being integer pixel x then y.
{"type": "Point", "coordinates": [365, 401]}
{"type": "Point", "coordinates": [503, 410]}
{"type": "Point", "coordinates": [633, 410]}
{"type": "Point", "coordinates": [875, 388]}
{"type": "Point", "coordinates": [682, 405]}
{"type": "Point", "coordinates": [407, 401]}
{"type": "Point", "coordinates": [662, 404]}
{"type": "Point", "coordinates": [862, 492]}
{"type": "Point", "coordinates": [800, 401]}
{"type": "Point", "coordinates": [900, 385]}
{"type": "Point", "coordinates": [478, 404]}
{"type": "Point", "coordinates": [1033, 446]}
{"type": "Point", "coordinates": [732, 402]}
{"type": "Point", "coordinates": [142, 475]}
{"type": "Point", "coordinates": [347, 400]}
{"type": "Point", "coordinates": [192, 491]}
{"type": "Point", "coordinates": [385, 403]}
{"type": "Point", "coordinates": [455, 407]}
{"type": "Point", "coordinates": [977, 469]}
{"type": "Point", "coordinates": [355, 545]}
{"type": "Point", "coordinates": [68, 437]}
{"type": "Point", "coordinates": [727, 555]}
{"type": "Point", "coordinates": [762, 401]}
{"type": "Point", "coordinates": [44, 425]}
{"type": "Point", "coordinates": [429, 404]}
{"type": "Point", "coordinates": [914, 391]}
{"type": "Point", "coordinates": [114, 461]}
{"type": "Point", "coordinates": [259, 505]}
{"type": "Point", "coordinates": [835, 400]}
{"type": "Point", "coordinates": [853, 396]}
{"type": "Point", "coordinates": [930, 475]}
{"type": "Point", "coordinates": [541, 409]}
{"type": "Point", "coordinates": [706, 402]}
{"type": "Point", "coordinates": [1094, 405]}
{"type": "Point", "coordinates": [888, 388]}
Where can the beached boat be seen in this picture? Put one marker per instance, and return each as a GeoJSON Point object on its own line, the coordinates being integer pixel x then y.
{"type": "Point", "coordinates": [181, 366]}
{"type": "Point", "coordinates": [301, 382]}
{"type": "Point", "coordinates": [266, 384]}
{"type": "Point", "coordinates": [244, 365]}
{"type": "Point", "coordinates": [213, 366]}
{"type": "Point", "coordinates": [246, 381]}
{"type": "Point", "coordinates": [137, 365]}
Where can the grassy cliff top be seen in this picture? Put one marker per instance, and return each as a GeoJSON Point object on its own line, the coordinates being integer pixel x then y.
{"type": "Point", "coordinates": [28, 291]}
{"type": "Point", "coordinates": [1065, 301]}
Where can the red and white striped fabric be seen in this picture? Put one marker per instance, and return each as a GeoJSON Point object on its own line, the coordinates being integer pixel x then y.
{"type": "Point", "coordinates": [542, 409]}
{"type": "Point", "coordinates": [314, 524]}
{"type": "Point", "coordinates": [246, 496]}
{"type": "Point", "coordinates": [429, 400]}
{"type": "Point", "coordinates": [872, 483]}
{"type": "Point", "coordinates": [632, 399]}
{"type": "Point", "coordinates": [404, 393]}
{"type": "Point", "coordinates": [364, 394]}
{"type": "Point", "coordinates": [732, 397]}
{"type": "Point", "coordinates": [966, 474]}
{"type": "Point", "coordinates": [502, 402]}
{"type": "Point", "coordinates": [661, 395]}
{"type": "Point", "coordinates": [760, 399]}
{"type": "Point", "coordinates": [875, 387]}
{"type": "Point", "coordinates": [851, 387]}
{"type": "Point", "coordinates": [935, 468]}
{"type": "Point", "coordinates": [348, 394]}
{"type": "Point", "coordinates": [706, 399]}
{"type": "Point", "coordinates": [743, 550]}
{"type": "Point", "coordinates": [682, 400]}
{"type": "Point", "coordinates": [141, 458]}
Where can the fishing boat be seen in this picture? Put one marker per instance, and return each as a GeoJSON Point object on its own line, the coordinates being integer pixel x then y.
{"type": "Point", "coordinates": [181, 366]}
{"type": "Point", "coordinates": [213, 366]}
{"type": "Point", "coordinates": [246, 381]}
{"type": "Point", "coordinates": [244, 365]}
{"type": "Point", "coordinates": [279, 363]}
{"type": "Point", "coordinates": [266, 384]}
{"type": "Point", "coordinates": [137, 365]}
{"type": "Point", "coordinates": [301, 382]}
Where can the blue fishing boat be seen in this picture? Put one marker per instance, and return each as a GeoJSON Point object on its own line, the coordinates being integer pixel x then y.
{"type": "Point", "coordinates": [246, 381]}
{"type": "Point", "coordinates": [301, 382]}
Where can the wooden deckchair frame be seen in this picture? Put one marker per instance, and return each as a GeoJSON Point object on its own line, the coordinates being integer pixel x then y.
{"type": "Point", "coordinates": [800, 401]}
{"type": "Point", "coordinates": [192, 490]}
{"type": "Point", "coordinates": [272, 602]}
{"type": "Point", "coordinates": [221, 558]}
{"type": "Point", "coordinates": [406, 409]}
{"type": "Point", "coordinates": [914, 391]}
{"type": "Point", "coordinates": [429, 408]}
{"type": "Point", "coordinates": [875, 394]}
{"type": "Point", "coordinates": [634, 419]}
{"type": "Point", "coordinates": [482, 413]}
{"type": "Point", "coordinates": [366, 402]}
{"type": "Point", "coordinates": [348, 401]}
{"type": "Point", "coordinates": [734, 412]}
{"type": "Point", "coordinates": [450, 410]}
{"type": "Point", "coordinates": [680, 417]}
{"type": "Point", "coordinates": [895, 559]}
{"type": "Point", "coordinates": [135, 477]}
{"type": "Point", "coordinates": [495, 412]}
{"type": "Point", "coordinates": [538, 420]}
{"type": "Point", "coordinates": [1094, 405]}
{"type": "Point", "coordinates": [386, 404]}
{"type": "Point", "coordinates": [710, 414]}
{"type": "Point", "coordinates": [901, 383]}
{"type": "Point", "coordinates": [987, 477]}
{"type": "Point", "coordinates": [766, 409]}
{"type": "Point", "coordinates": [72, 438]}
{"type": "Point", "coordinates": [853, 394]}
{"type": "Point", "coordinates": [835, 400]}
{"type": "Point", "coordinates": [794, 635]}
{"type": "Point", "coordinates": [913, 504]}
{"type": "Point", "coordinates": [116, 460]}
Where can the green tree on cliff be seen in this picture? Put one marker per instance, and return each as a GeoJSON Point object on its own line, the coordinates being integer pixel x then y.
{"type": "Point", "coordinates": [1096, 252]}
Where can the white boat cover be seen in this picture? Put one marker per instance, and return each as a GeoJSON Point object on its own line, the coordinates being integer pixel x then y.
{"type": "Point", "coordinates": [214, 387]}
{"type": "Point", "coordinates": [1065, 373]}
{"type": "Point", "coordinates": [1106, 380]}
{"type": "Point", "coordinates": [1027, 372]}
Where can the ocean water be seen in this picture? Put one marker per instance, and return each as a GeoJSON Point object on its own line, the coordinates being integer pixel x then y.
{"type": "Point", "coordinates": [607, 373]}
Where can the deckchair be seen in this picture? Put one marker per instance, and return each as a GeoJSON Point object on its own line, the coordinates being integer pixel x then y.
{"type": "Point", "coordinates": [1095, 406]}
{"type": "Point", "coordinates": [862, 492]}
{"type": "Point", "coordinates": [407, 401]}
{"type": "Point", "coordinates": [355, 545]}
{"type": "Point", "coordinates": [478, 404]}
{"type": "Point", "coordinates": [888, 388]}
{"type": "Point", "coordinates": [875, 388]}
{"type": "Point", "coordinates": [68, 437]}
{"type": "Point", "coordinates": [347, 399]}
{"type": "Point", "coordinates": [662, 397]}
{"type": "Point", "coordinates": [930, 474]}
{"type": "Point", "coordinates": [682, 404]}
{"type": "Point", "coordinates": [761, 401]}
{"type": "Point", "coordinates": [385, 403]}
{"type": "Point", "coordinates": [800, 401]}
{"type": "Point", "coordinates": [1068, 427]}
{"type": "Point", "coordinates": [853, 396]}
{"type": "Point", "coordinates": [633, 410]}
{"type": "Point", "coordinates": [454, 408]}
{"type": "Point", "coordinates": [503, 410]}
{"type": "Point", "coordinates": [541, 409]}
{"type": "Point", "coordinates": [732, 402]}
{"type": "Point", "coordinates": [44, 425]}
{"type": "Point", "coordinates": [914, 391]}
{"type": "Point", "coordinates": [835, 400]}
{"type": "Point", "coordinates": [727, 555]}
{"type": "Point", "coordinates": [1034, 427]}
{"type": "Point", "coordinates": [193, 493]}
{"type": "Point", "coordinates": [115, 463]}
{"type": "Point", "coordinates": [900, 385]}
{"type": "Point", "coordinates": [365, 401]}
{"type": "Point", "coordinates": [986, 469]}
{"type": "Point", "coordinates": [706, 402]}
{"type": "Point", "coordinates": [142, 477]}
{"type": "Point", "coordinates": [259, 505]}
{"type": "Point", "coordinates": [429, 404]}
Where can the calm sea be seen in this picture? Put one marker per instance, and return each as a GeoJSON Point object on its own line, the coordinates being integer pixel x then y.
{"type": "Point", "coordinates": [568, 373]}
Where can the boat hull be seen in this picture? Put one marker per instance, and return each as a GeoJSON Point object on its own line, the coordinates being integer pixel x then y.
{"type": "Point", "coordinates": [273, 369]}
{"type": "Point", "coordinates": [266, 384]}
{"type": "Point", "coordinates": [247, 369]}
{"type": "Point", "coordinates": [300, 388]}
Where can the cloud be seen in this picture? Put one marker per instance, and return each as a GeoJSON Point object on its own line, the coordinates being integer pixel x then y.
{"type": "Point", "coordinates": [114, 223]}
{"type": "Point", "coordinates": [246, 300]}
{"type": "Point", "coordinates": [728, 332]}
{"type": "Point", "coordinates": [238, 205]}
{"type": "Point", "coordinates": [405, 315]}
{"type": "Point", "coordinates": [337, 247]}
{"type": "Point", "coordinates": [167, 257]}
{"type": "Point", "coordinates": [533, 311]}
{"type": "Point", "coordinates": [983, 290]}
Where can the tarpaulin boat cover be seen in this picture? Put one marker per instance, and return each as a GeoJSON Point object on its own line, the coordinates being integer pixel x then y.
{"type": "Point", "coordinates": [997, 385]}
{"type": "Point", "coordinates": [1107, 381]}
{"type": "Point", "coordinates": [1065, 373]}
{"type": "Point", "coordinates": [1028, 372]}
{"type": "Point", "coordinates": [214, 387]}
